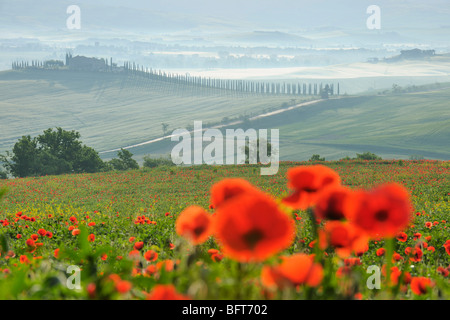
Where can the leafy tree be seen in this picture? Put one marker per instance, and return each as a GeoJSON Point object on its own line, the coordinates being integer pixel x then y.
{"type": "Point", "coordinates": [367, 156]}
{"type": "Point", "coordinates": [157, 162]}
{"type": "Point", "coordinates": [88, 161]}
{"type": "Point", "coordinates": [52, 153]}
{"type": "Point", "coordinates": [325, 92]}
{"type": "Point", "coordinates": [3, 175]}
{"type": "Point", "coordinates": [60, 143]}
{"type": "Point", "coordinates": [24, 160]}
{"type": "Point", "coordinates": [125, 161]}
{"type": "Point", "coordinates": [316, 157]}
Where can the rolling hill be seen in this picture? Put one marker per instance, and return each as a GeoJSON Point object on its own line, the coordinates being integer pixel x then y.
{"type": "Point", "coordinates": [114, 110]}
{"type": "Point", "coordinates": [111, 110]}
{"type": "Point", "coordinates": [395, 126]}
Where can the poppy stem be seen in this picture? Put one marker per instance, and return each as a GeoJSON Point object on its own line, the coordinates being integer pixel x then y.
{"type": "Point", "coordinates": [238, 279]}
{"type": "Point", "coordinates": [389, 253]}
{"type": "Point", "coordinates": [313, 222]}
{"type": "Point", "coordinates": [315, 234]}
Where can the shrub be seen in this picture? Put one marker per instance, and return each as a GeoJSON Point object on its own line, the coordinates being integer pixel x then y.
{"type": "Point", "coordinates": [157, 162]}
{"type": "Point", "coordinates": [316, 157]}
{"type": "Point", "coordinates": [367, 156]}
{"type": "Point", "coordinates": [125, 161]}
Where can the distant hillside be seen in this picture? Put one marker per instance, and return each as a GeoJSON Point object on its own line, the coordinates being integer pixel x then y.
{"type": "Point", "coordinates": [117, 110]}
{"type": "Point", "coordinates": [112, 110]}
{"type": "Point", "coordinates": [396, 126]}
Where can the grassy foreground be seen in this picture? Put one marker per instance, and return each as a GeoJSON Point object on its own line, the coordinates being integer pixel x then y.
{"type": "Point", "coordinates": [119, 229]}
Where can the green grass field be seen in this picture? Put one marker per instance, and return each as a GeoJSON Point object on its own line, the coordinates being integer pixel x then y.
{"type": "Point", "coordinates": [96, 222]}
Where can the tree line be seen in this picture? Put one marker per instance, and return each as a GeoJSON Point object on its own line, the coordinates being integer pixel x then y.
{"type": "Point", "coordinates": [241, 86]}
{"type": "Point", "coordinates": [58, 151]}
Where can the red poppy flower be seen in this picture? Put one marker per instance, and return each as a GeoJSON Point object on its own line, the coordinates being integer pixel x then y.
{"type": "Point", "coordinates": [421, 285]}
{"type": "Point", "coordinates": [213, 251]}
{"type": "Point", "coordinates": [335, 204]}
{"type": "Point", "coordinates": [416, 254]}
{"type": "Point", "coordinates": [350, 262]}
{"type": "Point", "coordinates": [150, 270]}
{"type": "Point", "coordinates": [24, 259]}
{"type": "Point", "coordinates": [217, 257]}
{"type": "Point", "coordinates": [402, 237]}
{"type": "Point", "coordinates": [165, 292]}
{"type": "Point", "coordinates": [30, 243]}
{"type": "Point", "coordinates": [381, 252]}
{"type": "Point", "coordinates": [293, 271]}
{"type": "Point", "coordinates": [75, 232]}
{"type": "Point", "coordinates": [151, 255]}
{"type": "Point", "coordinates": [446, 245]}
{"type": "Point", "coordinates": [194, 223]}
{"type": "Point", "coordinates": [229, 188]}
{"type": "Point", "coordinates": [396, 274]}
{"type": "Point", "coordinates": [344, 237]}
{"type": "Point", "coordinates": [443, 271]}
{"type": "Point", "coordinates": [251, 227]}
{"type": "Point", "coordinates": [384, 212]}
{"type": "Point", "coordinates": [42, 232]}
{"type": "Point", "coordinates": [91, 289]}
{"type": "Point", "coordinates": [308, 182]}
{"type": "Point", "coordinates": [138, 245]}
{"type": "Point", "coordinates": [123, 286]}
{"type": "Point", "coordinates": [168, 265]}
{"type": "Point", "coordinates": [396, 257]}
{"type": "Point", "coordinates": [91, 237]}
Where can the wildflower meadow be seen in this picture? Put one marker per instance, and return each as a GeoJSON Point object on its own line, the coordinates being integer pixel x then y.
{"type": "Point", "coordinates": [363, 230]}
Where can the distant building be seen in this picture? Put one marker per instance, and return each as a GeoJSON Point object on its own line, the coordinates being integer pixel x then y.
{"type": "Point", "coordinates": [413, 54]}
{"type": "Point", "coordinates": [81, 63]}
{"type": "Point", "coordinates": [416, 54]}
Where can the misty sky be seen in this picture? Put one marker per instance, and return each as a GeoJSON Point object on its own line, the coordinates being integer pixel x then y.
{"type": "Point", "coordinates": [252, 14]}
